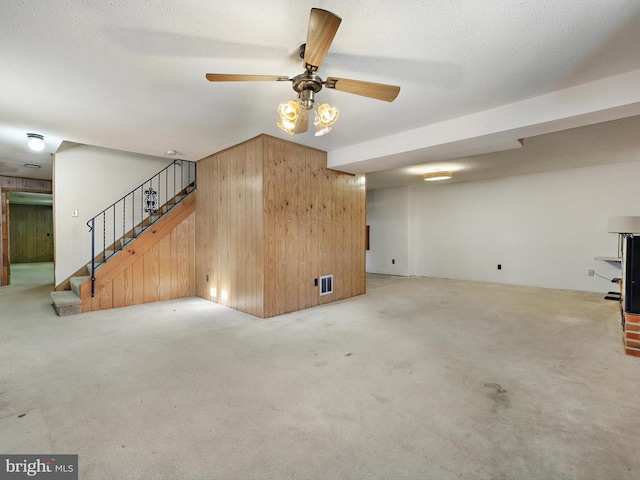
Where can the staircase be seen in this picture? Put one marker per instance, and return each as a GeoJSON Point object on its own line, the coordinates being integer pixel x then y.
{"type": "Point", "coordinates": [145, 211]}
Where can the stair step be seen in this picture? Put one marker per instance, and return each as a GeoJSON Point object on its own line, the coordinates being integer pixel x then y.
{"type": "Point", "coordinates": [98, 266]}
{"type": "Point", "coordinates": [66, 303]}
{"type": "Point", "coordinates": [125, 240]}
{"type": "Point", "coordinates": [76, 282]}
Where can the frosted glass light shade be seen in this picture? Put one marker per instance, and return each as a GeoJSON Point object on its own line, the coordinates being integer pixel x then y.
{"type": "Point", "coordinates": [327, 114]}
{"type": "Point", "coordinates": [287, 126]}
{"type": "Point", "coordinates": [289, 111]}
{"type": "Point", "coordinates": [35, 142]}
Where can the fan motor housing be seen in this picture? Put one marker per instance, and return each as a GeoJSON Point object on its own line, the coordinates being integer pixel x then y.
{"type": "Point", "coordinates": [307, 81]}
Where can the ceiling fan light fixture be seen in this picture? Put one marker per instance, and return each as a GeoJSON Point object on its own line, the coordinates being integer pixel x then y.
{"type": "Point", "coordinates": [289, 111]}
{"type": "Point", "coordinates": [320, 128]}
{"type": "Point", "coordinates": [35, 142]}
{"type": "Point", "coordinates": [437, 175]}
{"type": "Point", "coordinates": [323, 26]}
{"type": "Point", "coordinates": [306, 98]}
{"type": "Point", "coordinates": [287, 126]}
{"type": "Point", "coordinates": [327, 114]}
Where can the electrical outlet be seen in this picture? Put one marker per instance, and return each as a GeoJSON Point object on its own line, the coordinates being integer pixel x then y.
{"type": "Point", "coordinates": [499, 266]}
{"type": "Point", "coordinates": [590, 273]}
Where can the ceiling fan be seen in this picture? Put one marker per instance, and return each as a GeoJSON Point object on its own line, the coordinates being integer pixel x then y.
{"type": "Point", "coordinates": [323, 26]}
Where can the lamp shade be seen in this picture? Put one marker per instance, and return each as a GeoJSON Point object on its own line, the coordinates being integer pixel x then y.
{"type": "Point", "coordinates": [327, 114]}
{"type": "Point", "coordinates": [289, 111]}
{"type": "Point", "coordinates": [288, 126]}
{"type": "Point", "coordinates": [320, 128]}
{"type": "Point", "coordinates": [623, 225]}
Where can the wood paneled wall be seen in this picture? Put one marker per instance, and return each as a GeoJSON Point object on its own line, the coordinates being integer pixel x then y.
{"type": "Point", "coordinates": [229, 228]}
{"type": "Point", "coordinates": [265, 246]}
{"type": "Point", "coordinates": [31, 236]}
{"type": "Point", "coordinates": [159, 265]}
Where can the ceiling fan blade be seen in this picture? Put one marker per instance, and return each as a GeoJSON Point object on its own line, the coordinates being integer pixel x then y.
{"type": "Point", "coordinates": [379, 91]}
{"type": "Point", "coordinates": [323, 26]}
{"type": "Point", "coordinates": [224, 77]}
{"type": "Point", "coordinates": [302, 123]}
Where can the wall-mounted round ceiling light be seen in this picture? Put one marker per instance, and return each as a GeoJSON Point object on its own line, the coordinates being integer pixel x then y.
{"type": "Point", "coordinates": [35, 142]}
{"type": "Point", "coordinates": [437, 175]}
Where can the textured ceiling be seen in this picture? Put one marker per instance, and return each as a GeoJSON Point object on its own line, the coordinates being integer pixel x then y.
{"type": "Point", "coordinates": [130, 75]}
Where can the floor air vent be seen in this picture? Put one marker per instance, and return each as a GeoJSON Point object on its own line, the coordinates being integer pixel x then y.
{"type": "Point", "coordinates": [326, 285]}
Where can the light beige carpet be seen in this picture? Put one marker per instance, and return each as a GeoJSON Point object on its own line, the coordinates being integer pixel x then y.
{"type": "Point", "coordinates": [419, 379]}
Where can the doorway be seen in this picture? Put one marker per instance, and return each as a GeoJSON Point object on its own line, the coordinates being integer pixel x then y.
{"type": "Point", "coordinates": [27, 233]}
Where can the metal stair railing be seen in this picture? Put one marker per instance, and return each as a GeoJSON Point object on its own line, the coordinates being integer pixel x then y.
{"type": "Point", "coordinates": [127, 218]}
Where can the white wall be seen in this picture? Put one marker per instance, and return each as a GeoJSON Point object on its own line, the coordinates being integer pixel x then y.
{"type": "Point", "coordinates": [388, 220]}
{"type": "Point", "coordinates": [89, 179]}
{"type": "Point", "coordinates": [544, 229]}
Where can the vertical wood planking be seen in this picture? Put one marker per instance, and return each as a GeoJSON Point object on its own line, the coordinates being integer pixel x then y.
{"type": "Point", "coordinates": [185, 258]}
{"type": "Point", "coordinates": [118, 289]}
{"type": "Point", "coordinates": [326, 223]}
{"type": "Point", "coordinates": [269, 212]}
{"type": "Point", "coordinates": [31, 238]}
{"type": "Point", "coordinates": [232, 226]}
{"type": "Point", "coordinates": [201, 234]}
{"type": "Point", "coordinates": [270, 218]}
{"type": "Point", "coordinates": [106, 297]}
{"type": "Point", "coordinates": [96, 300]}
{"type": "Point", "coordinates": [291, 237]}
{"type": "Point", "coordinates": [127, 285]}
{"type": "Point", "coordinates": [304, 231]}
{"type": "Point", "coordinates": [137, 277]}
{"type": "Point", "coordinates": [229, 226]}
{"type": "Point", "coordinates": [163, 272]}
{"type": "Point", "coordinates": [189, 269]}
{"type": "Point", "coordinates": [151, 275]}
{"type": "Point", "coordinates": [4, 241]}
{"type": "Point", "coordinates": [241, 286]}
{"type": "Point", "coordinates": [225, 232]}
{"type": "Point", "coordinates": [315, 183]}
{"type": "Point", "coordinates": [165, 252]}
{"type": "Point", "coordinates": [279, 225]}
{"type": "Point", "coordinates": [177, 247]}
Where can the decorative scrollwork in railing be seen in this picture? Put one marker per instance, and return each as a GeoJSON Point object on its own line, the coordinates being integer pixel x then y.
{"type": "Point", "coordinates": [151, 201]}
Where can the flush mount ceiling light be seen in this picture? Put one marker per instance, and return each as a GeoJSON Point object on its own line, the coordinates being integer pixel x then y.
{"type": "Point", "coordinates": [35, 142]}
{"type": "Point", "coordinates": [437, 175]}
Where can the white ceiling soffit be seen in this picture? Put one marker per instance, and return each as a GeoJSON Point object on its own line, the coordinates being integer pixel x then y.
{"type": "Point", "coordinates": [475, 76]}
